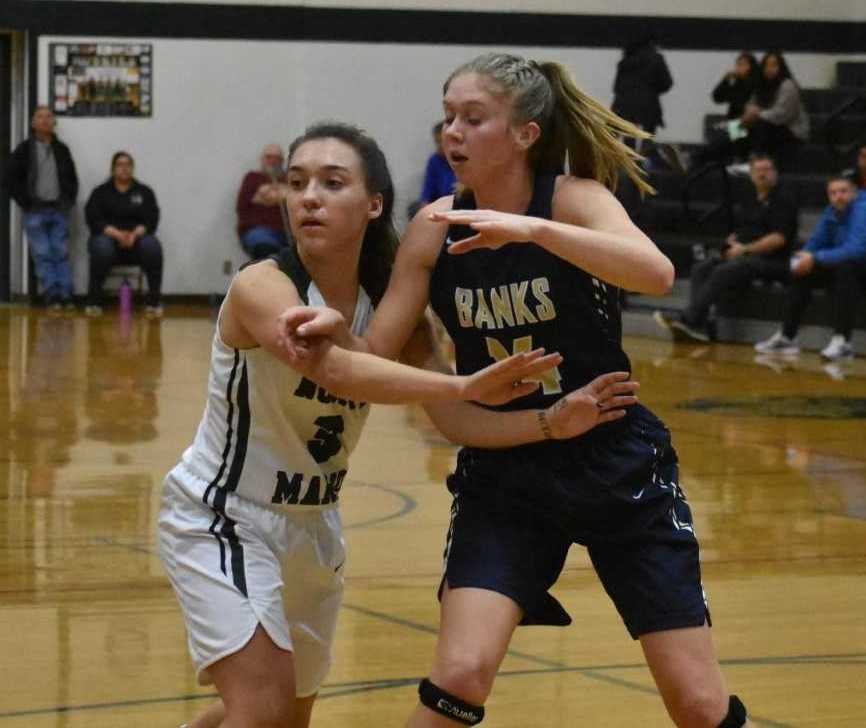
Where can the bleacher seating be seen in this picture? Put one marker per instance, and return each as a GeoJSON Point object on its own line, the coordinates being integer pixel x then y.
{"type": "Point", "coordinates": [752, 313]}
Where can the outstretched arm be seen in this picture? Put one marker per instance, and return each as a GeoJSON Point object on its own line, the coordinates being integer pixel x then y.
{"type": "Point", "coordinates": [590, 230]}
{"type": "Point", "coordinates": [261, 292]}
{"type": "Point", "coordinates": [463, 423]}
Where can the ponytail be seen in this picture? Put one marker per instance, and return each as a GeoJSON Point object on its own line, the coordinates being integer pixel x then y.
{"type": "Point", "coordinates": [588, 135]}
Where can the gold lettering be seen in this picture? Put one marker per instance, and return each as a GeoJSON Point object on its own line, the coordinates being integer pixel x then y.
{"type": "Point", "coordinates": [483, 317]}
{"type": "Point", "coordinates": [546, 311]}
{"type": "Point", "coordinates": [463, 302]}
{"type": "Point", "coordinates": [495, 349]}
{"type": "Point", "coordinates": [550, 380]}
{"type": "Point", "coordinates": [500, 301]}
{"type": "Point", "coordinates": [518, 300]}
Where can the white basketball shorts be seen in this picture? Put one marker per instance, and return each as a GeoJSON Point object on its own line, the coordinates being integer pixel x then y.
{"type": "Point", "coordinates": [281, 570]}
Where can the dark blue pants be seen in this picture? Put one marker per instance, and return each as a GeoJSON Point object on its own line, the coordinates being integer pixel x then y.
{"type": "Point", "coordinates": [713, 277]}
{"type": "Point", "coordinates": [845, 282]}
{"type": "Point", "coordinates": [260, 242]}
{"type": "Point", "coordinates": [48, 237]}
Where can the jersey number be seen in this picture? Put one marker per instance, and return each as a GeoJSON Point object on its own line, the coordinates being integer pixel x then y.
{"type": "Point", "coordinates": [550, 380]}
{"type": "Point", "coordinates": [326, 442]}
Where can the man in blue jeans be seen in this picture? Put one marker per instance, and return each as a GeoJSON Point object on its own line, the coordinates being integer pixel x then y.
{"type": "Point", "coordinates": [41, 178]}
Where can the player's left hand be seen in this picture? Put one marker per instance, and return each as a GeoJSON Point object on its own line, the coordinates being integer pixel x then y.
{"type": "Point", "coordinates": [509, 378]}
{"type": "Point", "coordinates": [494, 229]}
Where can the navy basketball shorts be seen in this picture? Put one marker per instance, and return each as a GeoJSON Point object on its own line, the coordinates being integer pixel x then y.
{"type": "Point", "coordinates": [516, 513]}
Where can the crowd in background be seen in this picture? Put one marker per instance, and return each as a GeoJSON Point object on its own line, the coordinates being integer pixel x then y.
{"type": "Point", "coordinates": [765, 126]}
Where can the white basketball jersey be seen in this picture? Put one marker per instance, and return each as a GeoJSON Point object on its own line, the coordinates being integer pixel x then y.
{"type": "Point", "coordinates": [270, 435]}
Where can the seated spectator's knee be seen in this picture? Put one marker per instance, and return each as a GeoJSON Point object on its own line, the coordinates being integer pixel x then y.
{"type": "Point", "coordinates": [102, 248]}
{"type": "Point", "coordinates": [260, 242]}
{"type": "Point", "coordinates": [150, 248]}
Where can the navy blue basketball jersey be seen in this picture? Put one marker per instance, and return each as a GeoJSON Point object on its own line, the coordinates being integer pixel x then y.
{"type": "Point", "coordinates": [495, 303]}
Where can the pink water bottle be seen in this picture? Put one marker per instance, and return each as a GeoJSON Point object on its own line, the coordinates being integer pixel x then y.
{"type": "Point", "coordinates": [124, 296]}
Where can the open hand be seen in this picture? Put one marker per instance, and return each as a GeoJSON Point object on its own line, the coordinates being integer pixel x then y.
{"type": "Point", "coordinates": [600, 401]}
{"type": "Point", "coordinates": [505, 380]}
{"type": "Point", "coordinates": [494, 229]}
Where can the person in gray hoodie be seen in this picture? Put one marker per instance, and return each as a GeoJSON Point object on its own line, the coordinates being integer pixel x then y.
{"type": "Point", "coordinates": [775, 116]}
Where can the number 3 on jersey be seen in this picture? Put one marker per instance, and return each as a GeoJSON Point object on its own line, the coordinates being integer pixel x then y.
{"type": "Point", "coordinates": [326, 442]}
{"type": "Point", "coordinates": [550, 380]}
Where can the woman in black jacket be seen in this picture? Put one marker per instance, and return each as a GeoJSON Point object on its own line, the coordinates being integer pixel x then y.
{"type": "Point", "coordinates": [737, 85]}
{"type": "Point", "coordinates": [122, 215]}
{"type": "Point", "coordinates": [641, 77]}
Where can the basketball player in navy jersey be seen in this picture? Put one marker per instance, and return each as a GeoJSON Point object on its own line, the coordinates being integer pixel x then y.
{"type": "Point", "coordinates": [524, 256]}
{"type": "Point", "coordinates": [249, 531]}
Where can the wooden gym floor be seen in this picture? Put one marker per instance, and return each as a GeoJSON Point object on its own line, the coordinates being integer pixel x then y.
{"type": "Point", "coordinates": [94, 412]}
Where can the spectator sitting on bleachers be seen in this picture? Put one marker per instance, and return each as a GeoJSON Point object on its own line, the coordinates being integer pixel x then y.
{"type": "Point", "coordinates": [834, 257]}
{"type": "Point", "coordinates": [439, 179]}
{"type": "Point", "coordinates": [261, 229]}
{"type": "Point", "coordinates": [857, 174]}
{"type": "Point", "coordinates": [775, 116]}
{"type": "Point", "coordinates": [736, 89]}
{"type": "Point", "coordinates": [122, 215]}
{"type": "Point", "coordinates": [760, 248]}
{"type": "Point", "coordinates": [773, 121]}
{"type": "Point", "coordinates": [737, 85]}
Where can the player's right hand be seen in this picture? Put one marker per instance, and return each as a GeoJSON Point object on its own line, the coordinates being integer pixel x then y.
{"type": "Point", "coordinates": [302, 326]}
{"type": "Point", "coordinates": [602, 400]}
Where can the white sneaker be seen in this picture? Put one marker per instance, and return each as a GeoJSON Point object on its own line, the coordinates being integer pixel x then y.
{"type": "Point", "coordinates": [778, 343]}
{"type": "Point", "coordinates": [838, 348]}
{"type": "Point", "coordinates": [683, 331]}
{"type": "Point", "coordinates": [662, 320]}
{"type": "Point", "coordinates": [835, 371]}
{"type": "Point", "coordinates": [93, 311]}
{"type": "Point", "coordinates": [153, 311]}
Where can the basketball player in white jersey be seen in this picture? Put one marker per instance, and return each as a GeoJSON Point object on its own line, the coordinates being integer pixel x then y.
{"type": "Point", "coordinates": [249, 531]}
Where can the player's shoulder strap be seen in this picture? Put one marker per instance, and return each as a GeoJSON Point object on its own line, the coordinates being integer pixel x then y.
{"type": "Point", "coordinates": [289, 262]}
